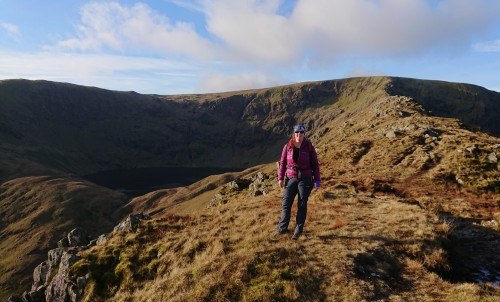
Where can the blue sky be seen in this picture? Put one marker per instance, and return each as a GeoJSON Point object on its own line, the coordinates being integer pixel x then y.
{"type": "Point", "coordinates": [180, 46]}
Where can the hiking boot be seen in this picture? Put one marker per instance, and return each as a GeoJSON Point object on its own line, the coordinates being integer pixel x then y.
{"type": "Point", "coordinates": [277, 233]}
{"type": "Point", "coordinates": [296, 234]}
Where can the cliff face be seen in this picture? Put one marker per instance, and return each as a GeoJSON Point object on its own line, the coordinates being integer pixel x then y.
{"type": "Point", "coordinates": [414, 139]}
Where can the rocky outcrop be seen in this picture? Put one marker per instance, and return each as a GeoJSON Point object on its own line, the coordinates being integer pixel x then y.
{"type": "Point", "coordinates": [259, 184]}
{"type": "Point", "coordinates": [46, 269]}
{"type": "Point", "coordinates": [131, 223]}
{"type": "Point", "coordinates": [51, 278]}
{"type": "Point", "coordinates": [63, 287]}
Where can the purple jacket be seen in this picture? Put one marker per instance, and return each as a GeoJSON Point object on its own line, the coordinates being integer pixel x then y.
{"type": "Point", "coordinates": [307, 163]}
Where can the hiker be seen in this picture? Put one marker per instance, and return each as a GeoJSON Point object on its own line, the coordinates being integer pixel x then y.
{"type": "Point", "coordinates": [298, 171]}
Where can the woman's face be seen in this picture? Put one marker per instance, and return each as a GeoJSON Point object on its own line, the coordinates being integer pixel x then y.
{"type": "Point", "coordinates": [298, 136]}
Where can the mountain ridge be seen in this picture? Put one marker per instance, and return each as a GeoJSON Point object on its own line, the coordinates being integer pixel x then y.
{"type": "Point", "coordinates": [367, 139]}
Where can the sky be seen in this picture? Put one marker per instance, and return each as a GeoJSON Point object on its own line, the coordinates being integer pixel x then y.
{"type": "Point", "coordinates": [200, 46]}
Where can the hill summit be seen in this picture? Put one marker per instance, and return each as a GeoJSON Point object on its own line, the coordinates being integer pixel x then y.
{"type": "Point", "coordinates": [408, 210]}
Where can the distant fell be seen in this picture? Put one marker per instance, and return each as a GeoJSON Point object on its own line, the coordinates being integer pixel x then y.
{"type": "Point", "coordinates": [83, 130]}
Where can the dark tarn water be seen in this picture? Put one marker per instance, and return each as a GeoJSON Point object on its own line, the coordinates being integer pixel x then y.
{"type": "Point", "coordinates": [139, 181]}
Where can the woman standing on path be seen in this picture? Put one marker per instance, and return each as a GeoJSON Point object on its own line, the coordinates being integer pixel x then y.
{"type": "Point", "coordinates": [298, 171]}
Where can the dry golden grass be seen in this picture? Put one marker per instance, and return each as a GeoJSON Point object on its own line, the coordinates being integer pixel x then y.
{"type": "Point", "coordinates": [354, 248]}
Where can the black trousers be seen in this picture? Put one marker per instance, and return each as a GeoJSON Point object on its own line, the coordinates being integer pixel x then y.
{"type": "Point", "coordinates": [293, 186]}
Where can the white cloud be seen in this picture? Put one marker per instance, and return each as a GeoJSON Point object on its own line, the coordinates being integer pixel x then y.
{"type": "Point", "coordinates": [11, 29]}
{"type": "Point", "coordinates": [488, 46]}
{"type": "Point", "coordinates": [253, 32]}
{"type": "Point", "coordinates": [136, 28]}
{"type": "Point", "coordinates": [216, 82]}
{"type": "Point", "coordinates": [332, 29]}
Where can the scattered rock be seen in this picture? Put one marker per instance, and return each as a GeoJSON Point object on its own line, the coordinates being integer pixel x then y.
{"type": "Point", "coordinates": [78, 237]}
{"type": "Point", "coordinates": [259, 184]}
{"type": "Point", "coordinates": [131, 223]}
{"type": "Point", "coordinates": [473, 149]}
{"type": "Point", "coordinates": [102, 239]}
{"type": "Point", "coordinates": [403, 113]}
{"type": "Point", "coordinates": [489, 223]}
{"type": "Point", "coordinates": [432, 132]}
{"type": "Point", "coordinates": [492, 158]}
{"type": "Point", "coordinates": [40, 275]}
{"type": "Point", "coordinates": [392, 134]}
{"type": "Point", "coordinates": [62, 288]}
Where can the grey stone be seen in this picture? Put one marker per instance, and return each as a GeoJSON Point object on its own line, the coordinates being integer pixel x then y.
{"type": "Point", "coordinates": [78, 237]}
{"type": "Point", "coordinates": [62, 288]}
{"type": "Point", "coordinates": [492, 158]}
{"type": "Point", "coordinates": [391, 134]}
{"type": "Point", "coordinates": [472, 149]}
{"type": "Point", "coordinates": [102, 239]}
{"type": "Point", "coordinates": [432, 132]}
{"type": "Point", "coordinates": [40, 275]}
{"type": "Point", "coordinates": [131, 223]}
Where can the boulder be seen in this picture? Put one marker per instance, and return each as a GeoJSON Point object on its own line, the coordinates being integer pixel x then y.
{"type": "Point", "coordinates": [102, 239]}
{"type": "Point", "coordinates": [62, 288]}
{"type": "Point", "coordinates": [492, 158]}
{"type": "Point", "coordinates": [131, 223]}
{"type": "Point", "coordinates": [40, 275]}
{"type": "Point", "coordinates": [472, 149]}
{"type": "Point", "coordinates": [392, 134]}
{"type": "Point", "coordinates": [53, 261]}
{"type": "Point", "coordinates": [78, 237]}
{"type": "Point", "coordinates": [432, 132]}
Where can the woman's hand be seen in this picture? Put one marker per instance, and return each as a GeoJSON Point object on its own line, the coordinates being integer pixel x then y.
{"type": "Point", "coordinates": [281, 183]}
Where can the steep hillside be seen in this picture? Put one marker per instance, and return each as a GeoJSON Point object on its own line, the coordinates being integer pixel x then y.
{"type": "Point", "coordinates": [473, 105]}
{"type": "Point", "coordinates": [357, 246]}
{"type": "Point", "coordinates": [82, 130]}
{"type": "Point", "coordinates": [388, 144]}
{"type": "Point", "coordinates": [37, 211]}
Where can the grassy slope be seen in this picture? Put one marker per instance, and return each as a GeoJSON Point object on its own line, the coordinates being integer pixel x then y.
{"type": "Point", "coordinates": [349, 120]}
{"type": "Point", "coordinates": [355, 247]}
{"type": "Point", "coordinates": [390, 223]}
{"type": "Point", "coordinates": [37, 211]}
